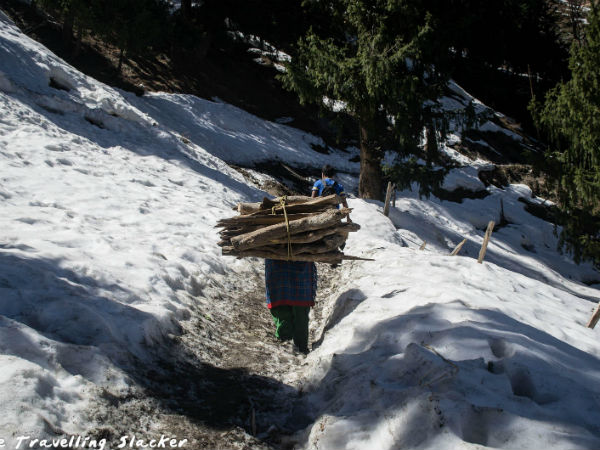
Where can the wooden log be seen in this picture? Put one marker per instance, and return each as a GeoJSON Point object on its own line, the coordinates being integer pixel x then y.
{"type": "Point", "coordinates": [260, 237]}
{"type": "Point", "coordinates": [259, 220]}
{"type": "Point", "coordinates": [458, 248]}
{"type": "Point", "coordinates": [313, 205]}
{"type": "Point", "coordinates": [313, 236]}
{"type": "Point", "coordinates": [388, 197]}
{"type": "Point", "coordinates": [325, 245]}
{"type": "Point", "coordinates": [249, 208]}
{"type": "Point", "coordinates": [595, 318]}
{"type": "Point", "coordinates": [289, 200]}
{"type": "Point", "coordinates": [236, 231]}
{"type": "Point", "coordinates": [330, 258]}
{"type": "Point", "coordinates": [486, 240]}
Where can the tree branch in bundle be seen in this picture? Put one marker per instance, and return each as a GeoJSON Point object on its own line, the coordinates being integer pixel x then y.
{"type": "Point", "coordinates": [329, 258]}
{"type": "Point", "coordinates": [261, 237]}
{"type": "Point", "coordinates": [313, 236]}
{"type": "Point", "coordinates": [312, 205]}
{"type": "Point", "coordinates": [249, 208]}
{"type": "Point", "coordinates": [258, 220]}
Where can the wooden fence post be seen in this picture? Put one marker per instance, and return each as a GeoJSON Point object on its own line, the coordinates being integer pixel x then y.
{"type": "Point", "coordinates": [422, 247]}
{"type": "Point", "coordinates": [458, 247]}
{"type": "Point", "coordinates": [595, 317]}
{"type": "Point", "coordinates": [486, 240]}
{"type": "Point", "coordinates": [388, 196]}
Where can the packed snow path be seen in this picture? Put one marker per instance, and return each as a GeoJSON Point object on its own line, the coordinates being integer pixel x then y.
{"type": "Point", "coordinates": [207, 384]}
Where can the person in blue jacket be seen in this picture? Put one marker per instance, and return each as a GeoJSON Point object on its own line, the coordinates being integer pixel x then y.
{"type": "Point", "coordinates": [327, 186]}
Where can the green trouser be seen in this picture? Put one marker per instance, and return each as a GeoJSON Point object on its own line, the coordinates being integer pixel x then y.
{"type": "Point", "coordinates": [291, 322]}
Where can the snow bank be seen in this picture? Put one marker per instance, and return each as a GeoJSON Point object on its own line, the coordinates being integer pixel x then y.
{"type": "Point", "coordinates": [236, 136]}
{"type": "Point", "coordinates": [106, 236]}
{"type": "Point", "coordinates": [465, 178]}
{"type": "Point", "coordinates": [424, 350]}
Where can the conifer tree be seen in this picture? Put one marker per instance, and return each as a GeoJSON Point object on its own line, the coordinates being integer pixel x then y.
{"type": "Point", "coordinates": [71, 12]}
{"type": "Point", "coordinates": [571, 116]}
{"type": "Point", "coordinates": [384, 59]}
{"type": "Point", "coordinates": [131, 25]}
{"type": "Point", "coordinates": [186, 9]}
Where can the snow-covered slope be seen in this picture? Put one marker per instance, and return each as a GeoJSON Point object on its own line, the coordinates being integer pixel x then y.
{"type": "Point", "coordinates": [107, 247]}
{"type": "Point", "coordinates": [106, 227]}
{"type": "Point", "coordinates": [426, 350]}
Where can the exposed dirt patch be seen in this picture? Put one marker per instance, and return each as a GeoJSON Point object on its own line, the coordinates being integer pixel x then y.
{"type": "Point", "coordinates": [225, 383]}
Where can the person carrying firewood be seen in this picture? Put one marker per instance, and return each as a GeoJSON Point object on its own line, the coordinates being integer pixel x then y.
{"type": "Point", "coordinates": [291, 286]}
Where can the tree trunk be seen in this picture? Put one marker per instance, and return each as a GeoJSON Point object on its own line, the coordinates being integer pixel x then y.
{"type": "Point", "coordinates": [121, 57]}
{"type": "Point", "coordinates": [203, 46]}
{"type": "Point", "coordinates": [431, 143]}
{"type": "Point", "coordinates": [67, 28]}
{"type": "Point", "coordinates": [78, 41]}
{"type": "Point", "coordinates": [186, 9]}
{"type": "Point", "coordinates": [369, 182]}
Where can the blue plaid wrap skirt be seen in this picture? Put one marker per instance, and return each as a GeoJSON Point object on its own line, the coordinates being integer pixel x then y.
{"type": "Point", "coordinates": [291, 283]}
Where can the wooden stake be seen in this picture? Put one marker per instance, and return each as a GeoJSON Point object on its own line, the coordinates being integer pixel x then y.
{"type": "Point", "coordinates": [422, 247]}
{"type": "Point", "coordinates": [486, 240]}
{"type": "Point", "coordinates": [388, 197]}
{"type": "Point", "coordinates": [458, 247]}
{"type": "Point", "coordinates": [595, 318]}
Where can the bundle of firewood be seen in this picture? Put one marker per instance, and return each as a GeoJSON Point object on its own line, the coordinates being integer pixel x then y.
{"type": "Point", "coordinates": [294, 228]}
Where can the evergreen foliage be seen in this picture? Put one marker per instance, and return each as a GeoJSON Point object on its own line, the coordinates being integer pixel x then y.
{"type": "Point", "coordinates": [130, 25]}
{"type": "Point", "coordinates": [384, 59]}
{"type": "Point", "coordinates": [73, 13]}
{"type": "Point", "coordinates": [498, 42]}
{"type": "Point", "coordinates": [571, 117]}
{"type": "Point", "coordinates": [512, 34]}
